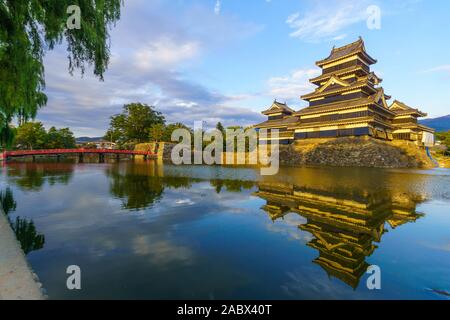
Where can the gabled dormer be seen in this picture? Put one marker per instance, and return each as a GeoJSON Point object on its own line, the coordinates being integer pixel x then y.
{"type": "Point", "coordinates": [374, 79]}
{"type": "Point", "coordinates": [333, 83]}
{"type": "Point", "coordinates": [278, 110]}
{"type": "Point", "coordinates": [381, 98]}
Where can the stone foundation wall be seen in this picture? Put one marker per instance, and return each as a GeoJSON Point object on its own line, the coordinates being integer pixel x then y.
{"type": "Point", "coordinates": [165, 151]}
{"type": "Point", "coordinates": [162, 149]}
{"type": "Point", "coordinates": [149, 147]}
{"type": "Point", "coordinates": [355, 152]}
{"type": "Point", "coordinates": [343, 152]}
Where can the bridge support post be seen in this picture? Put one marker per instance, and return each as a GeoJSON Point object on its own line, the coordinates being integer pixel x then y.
{"type": "Point", "coordinates": [117, 157]}
{"type": "Point", "coordinates": [145, 157]}
{"type": "Point", "coordinates": [133, 157]}
{"type": "Point", "coordinates": [58, 158]}
{"type": "Point", "coordinates": [101, 158]}
{"type": "Point", "coordinates": [34, 158]}
{"type": "Point", "coordinates": [80, 158]}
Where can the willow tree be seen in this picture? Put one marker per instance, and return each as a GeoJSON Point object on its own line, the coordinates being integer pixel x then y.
{"type": "Point", "coordinates": [30, 28]}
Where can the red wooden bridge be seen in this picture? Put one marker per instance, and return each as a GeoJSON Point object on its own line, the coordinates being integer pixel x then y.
{"type": "Point", "coordinates": [80, 152]}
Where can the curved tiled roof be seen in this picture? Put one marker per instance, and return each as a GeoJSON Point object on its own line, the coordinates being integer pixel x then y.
{"type": "Point", "coordinates": [345, 51]}
{"type": "Point", "coordinates": [278, 107]}
{"type": "Point", "coordinates": [288, 120]}
{"type": "Point", "coordinates": [335, 106]}
{"type": "Point", "coordinates": [404, 109]}
{"type": "Point", "coordinates": [337, 73]}
{"type": "Point", "coordinates": [355, 85]}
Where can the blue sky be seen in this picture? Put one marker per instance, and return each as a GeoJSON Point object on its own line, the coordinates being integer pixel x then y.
{"type": "Point", "coordinates": [209, 60]}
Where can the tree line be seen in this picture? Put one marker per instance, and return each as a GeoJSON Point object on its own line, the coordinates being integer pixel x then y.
{"type": "Point", "coordinates": [141, 123]}
{"type": "Point", "coordinates": [32, 136]}
{"type": "Point", "coordinates": [137, 123]}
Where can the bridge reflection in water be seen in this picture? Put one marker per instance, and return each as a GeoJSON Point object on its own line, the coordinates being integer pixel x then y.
{"type": "Point", "coordinates": [7, 155]}
{"type": "Point", "coordinates": [344, 228]}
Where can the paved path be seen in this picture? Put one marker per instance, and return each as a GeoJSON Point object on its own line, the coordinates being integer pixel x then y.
{"type": "Point", "coordinates": [16, 279]}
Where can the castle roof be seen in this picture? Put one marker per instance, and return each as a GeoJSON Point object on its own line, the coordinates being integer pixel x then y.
{"type": "Point", "coordinates": [340, 105]}
{"type": "Point", "coordinates": [401, 108]}
{"type": "Point", "coordinates": [346, 51]}
{"type": "Point", "coordinates": [341, 72]}
{"type": "Point", "coordinates": [278, 107]}
{"type": "Point", "coordinates": [336, 85]}
{"type": "Point", "coordinates": [283, 122]}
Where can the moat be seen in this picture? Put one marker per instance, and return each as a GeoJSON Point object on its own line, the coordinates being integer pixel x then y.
{"type": "Point", "coordinates": [142, 230]}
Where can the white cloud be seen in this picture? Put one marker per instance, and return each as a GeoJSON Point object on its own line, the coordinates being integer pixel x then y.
{"type": "Point", "coordinates": [327, 20]}
{"type": "Point", "coordinates": [292, 86]}
{"type": "Point", "coordinates": [165, 53]}
{"type": "Point", "coordinates": [186, 202]}
{"type": "Point", "coordinates": [443, 68]}
{"type": "Point", "coordinates": [161, 252]}
{"type": "Point", "coordinates": [340, 37]}
{"type": "Point", "coordinates": [292, 18]}
{"type": "Point", "coordinates": [152, 53]}
{"type": "Point", "coordinates": [217, 7]}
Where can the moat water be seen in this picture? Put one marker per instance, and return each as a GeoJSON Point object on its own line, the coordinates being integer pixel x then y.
{"type": "Point", "coordinates": [151, 231]}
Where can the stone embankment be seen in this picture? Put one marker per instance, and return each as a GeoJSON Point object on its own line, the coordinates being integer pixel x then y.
{"type": "Point", "coordinates": [355, 152]}
{"type": "Point", "coordinates": [17, 281]}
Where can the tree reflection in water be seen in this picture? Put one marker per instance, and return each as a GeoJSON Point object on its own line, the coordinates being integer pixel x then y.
{"type": "Point", "coordinates": [7, 201]}
{"type": "Point", "coordinates": [140, 185]}
{"type": "Point", "coordinates": [231, 185]}
{"type": "Point", "coordinates": [32, 176]}
{"type": "Point", "coordinates": [25, 230]}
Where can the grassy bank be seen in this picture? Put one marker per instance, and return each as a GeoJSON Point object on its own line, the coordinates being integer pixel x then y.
{"type": "Point", "coordinates": [444, 161]}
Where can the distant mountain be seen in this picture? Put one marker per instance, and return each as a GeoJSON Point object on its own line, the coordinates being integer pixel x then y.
{"type": "Point", "coordinates": [439, 124]}
{"type": "Point", "coordinates": [88, 139]}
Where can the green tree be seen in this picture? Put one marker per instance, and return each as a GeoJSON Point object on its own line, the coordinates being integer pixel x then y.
{"type": "Point", "coordinates": [170, 128]}
{"type": "Point", "coordinates": [60, 139]}
{"type": "Point", "coordinates": [28, 29]}
{"type": "Point", "coordinates": [444, 137]}
{"type": "Point", "coordinates": [116, 132]}
{"type": "Point", "coordinates": [156, 132]}
{"type": "Point", "coordinates": [7, 133]}
{"type": "Point", "coordinates": [31, 135]}
{"type": "Point", "coordinates": [134, 123]}
{"type": "Point", "coordinates": [221, 128]}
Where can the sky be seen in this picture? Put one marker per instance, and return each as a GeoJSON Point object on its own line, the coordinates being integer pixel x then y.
{"type": "Point", "coordinates": [227, 60]}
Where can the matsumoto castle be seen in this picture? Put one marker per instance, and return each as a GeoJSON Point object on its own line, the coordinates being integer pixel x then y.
{"type": "Point", "coordinates": [348, 101]}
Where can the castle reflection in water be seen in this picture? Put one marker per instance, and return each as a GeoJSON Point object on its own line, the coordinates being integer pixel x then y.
{"type": "Point", "coordinates": [345, 227]}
